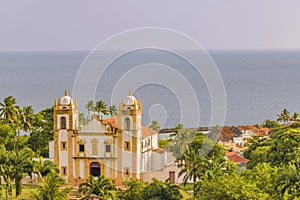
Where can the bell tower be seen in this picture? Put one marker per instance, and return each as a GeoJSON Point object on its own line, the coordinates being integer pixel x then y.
{"type": "Point", "coordinates": [65, 128]}
{"type": "Point", "coordinates": [129, 137]}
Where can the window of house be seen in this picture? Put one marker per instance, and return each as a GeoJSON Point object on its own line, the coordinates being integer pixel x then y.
{"type": "Point", "coordinates": [81, 147]}
{"type": "Point", "coordinates": [107, 148]}
{"type": "Point", "coordinates": [63, 122]}
{"type": "Point", "coordinates": [127, 145]}
{"type": "Point", "coordinates": [127, 123]}
{"type": "Point", "coordinates": [64, 171]}
{"type": "Point", "coordinates": [126, 172]}
{"type": "Point", "coordinates": [63, 146]}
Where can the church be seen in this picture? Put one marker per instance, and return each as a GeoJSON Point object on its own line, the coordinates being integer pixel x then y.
{"type": "Point", "coordinates": [118, 148]}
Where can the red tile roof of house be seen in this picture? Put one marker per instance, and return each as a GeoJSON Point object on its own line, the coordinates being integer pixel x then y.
{"type": "Point", "coordinates": [238, 159]}
{"type": "Point", "coordinates": [147, 132]}
{"type": "Point", "coordinates": [160, 150]}
{"type": "Point", "coordinates": [230, 153]}
{"type": "Point", "coordinates": [244, 128]}
{"type": "Point", "coordinates": [265, 129]}
{"type": "Point", "coordinates": [261, 133]}
{"type": "Point", "coordinates": [234, 157]}
{"type": "Point", "coordinates": [113, 121]}
{"type": "Point", "coordinates": [227, 132]}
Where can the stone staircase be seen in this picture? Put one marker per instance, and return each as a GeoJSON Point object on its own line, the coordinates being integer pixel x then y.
{"type": "Point", "coordinates": [74, 194]}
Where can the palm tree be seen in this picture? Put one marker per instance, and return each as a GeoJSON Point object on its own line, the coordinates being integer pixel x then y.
{"type": "Point", "coordinates": [158, 190]}
{"type": "Point", "coordinates": [154, 125]}
{"type": "Point", "coordinates": [284, 116]}
{"type": "Point", "coordinates": [50, 188]}
{"type": "Point", "coordinates": [6, 169]}
{"type": "Point", "coordinates": [295, 116]}
{"type": "Point", "coordinates": [112, 110]}
{"type": "Point", "coordinates": [26, 118]}
{"type": "Point", "coordinates": [181, 139]}
{"type": "Point", "coordinates": [134, 190]}
{"type": "Point", "coordinates": [44, 167]}
{"type": "Point", "coordinates": [82, 118]}
{"type": "Point", "coordinates": [9, 110]}
{"type": "Point", "coordinates": [101, 188]}
{"type": "Point", "coordinates": [90, 106]}
{"type": "Point", "coordinates": [21, 160]}
{"type": "Point", "coordinates": [101, 107]}
{"type": "Point", "coordinates": [190, 163]}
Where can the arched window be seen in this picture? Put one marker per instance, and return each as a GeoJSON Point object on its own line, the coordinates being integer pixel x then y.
{"type": "Point", "coordinates": [63, 122]}
{"type": "Point", "coordinates": [127, 123]}
{"type": "Point", "coordinates": [95, 169]}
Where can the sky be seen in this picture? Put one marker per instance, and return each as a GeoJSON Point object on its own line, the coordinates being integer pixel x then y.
{"type": "Point", "coordinates": [50, 25]}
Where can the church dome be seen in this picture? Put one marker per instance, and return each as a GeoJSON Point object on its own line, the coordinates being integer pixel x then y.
{"type": "Point", "coordinates": [65, 100]}
{"type": "Point", "coordinates": [129, 100]}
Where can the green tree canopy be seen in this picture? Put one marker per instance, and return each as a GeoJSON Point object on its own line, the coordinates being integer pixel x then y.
{"type": "Point", "coordinates": [284, 116]}
{"type": "Point", "coordinates": [101, 187]}
{"type": "Point", "coordinates": [229, 187]}
{"type": "Point", "coordinates": [50, 188]}
{"type": "Point", "coordinates": [42, 132]}
{"type": "Point", "coordinates": [9, 110]}
{"type": "Point", "coordinates": [158, 190]}
{"type": "Point", "coordinates": [154, 125]}
{"type": "Point", "coordinates": [134, 190]}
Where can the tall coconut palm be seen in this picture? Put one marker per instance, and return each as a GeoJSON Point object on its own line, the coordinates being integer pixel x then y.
{"type": "Point", "coordinates": [181, 139]}
{"type": "Point", "coordinates": [101, 187]}
{"type": "Point", "coordinates": [284, 116]}
{"type": "Point", "coordinates": [50, 188]}
{"type": "Point", "coordinates": [90, 106]}
{"type": "Point", "coordinates": [190, 163]}
{"type": "Point", "coordinates": [158, 190]}
{"type": "Point", "coordinates": [26, 118]}
{"type": "Point", "coordinates": [101, 107]}
{"type": "Point", "coordinates": [9, 110]}
{"type": "Point", "coordinates": [44, 167]}
{"type": "Point", "coordinates": [112, 110]}
{"type": "Point", "coordinates": [154, 125]}
{"type": "Point", "coordinates": [82, 118]}
{"type": "Point", "coordinates": [295, 116]}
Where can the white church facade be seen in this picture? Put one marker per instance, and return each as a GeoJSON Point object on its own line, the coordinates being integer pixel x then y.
{"type": "Point", "coordinates": [118, 148]}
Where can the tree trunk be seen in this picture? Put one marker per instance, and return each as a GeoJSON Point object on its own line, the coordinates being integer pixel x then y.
{"type": "Point", "coordinates": [194, 187]}
{"type": "Point", "coordinates": [6, 191]}
{"type": "Point", "coordinates": [18, 187]}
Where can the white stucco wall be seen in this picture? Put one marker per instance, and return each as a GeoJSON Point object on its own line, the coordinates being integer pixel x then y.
{"type": "Point", "coordinates": [51, 149]}
{"type": "Point", "coordinates": [127, 155]}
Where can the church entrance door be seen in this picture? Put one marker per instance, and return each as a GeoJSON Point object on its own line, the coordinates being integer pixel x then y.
{"type": "Point", "coordinates": [95, 169]}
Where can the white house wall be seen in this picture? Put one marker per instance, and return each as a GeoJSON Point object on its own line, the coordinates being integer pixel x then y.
{"type": "Point", "coordinates": [51, 149]}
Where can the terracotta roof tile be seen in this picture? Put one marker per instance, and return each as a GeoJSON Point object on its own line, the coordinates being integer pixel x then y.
{"type": "Point", "coordinates": [147, 132]}
{"type": "Point", "coordinates": [227, 132]}
{"type": "Point", "coordinates": [113, 121]}
{"type": "Point", "coordinates": [160, 150]}
{"type": "Point", "coordinates": [243, 128]}
{"type": "Point", "coordinates": [238, 159]}
{"type": "Point", "coordinates": [228, 153]}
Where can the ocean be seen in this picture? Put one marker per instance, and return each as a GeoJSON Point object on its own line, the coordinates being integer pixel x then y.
{"type": "Point", "coordinates": [258, 84]}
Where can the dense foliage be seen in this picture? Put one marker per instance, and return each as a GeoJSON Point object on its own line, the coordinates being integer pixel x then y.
{"type": "Point", "coordinates": [156, 190]}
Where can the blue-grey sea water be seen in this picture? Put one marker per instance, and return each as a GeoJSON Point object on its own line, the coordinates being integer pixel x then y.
{"type": "Point", "coordinates": [258, 84]}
